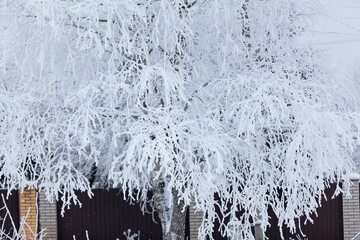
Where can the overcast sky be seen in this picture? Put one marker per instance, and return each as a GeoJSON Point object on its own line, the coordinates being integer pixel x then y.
{"type": "Point", "coordinates": [339, 29]}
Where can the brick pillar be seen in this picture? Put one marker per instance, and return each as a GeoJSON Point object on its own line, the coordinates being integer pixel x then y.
{"type": "Point", "coordinates": [28, 211]}
{"type": "Point", "coordinates": [195, 222]}
{"type": "Point", "coordinates": [351, 213]}
{"type": "Point", "coordinates": [47, 217]}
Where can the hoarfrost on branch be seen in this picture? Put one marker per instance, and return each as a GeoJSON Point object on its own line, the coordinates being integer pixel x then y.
{"type": "Point", "coordinates": [184, 97]}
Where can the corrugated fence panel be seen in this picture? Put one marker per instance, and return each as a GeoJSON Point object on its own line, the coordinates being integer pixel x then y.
{"type": "Point", "coordinates": [217, 228]}
{"type": "Point", "coordinates": [12, 203]}
{"type": "Point", "coordinates": [107, 216]}
{"type": "Point", "coordinates": [327, 226]}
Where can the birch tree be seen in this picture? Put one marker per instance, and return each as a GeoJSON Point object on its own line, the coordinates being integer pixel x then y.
{"type": "Point", "coordinates": [185, 98]}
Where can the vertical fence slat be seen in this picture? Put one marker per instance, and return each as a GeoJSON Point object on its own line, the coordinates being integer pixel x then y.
{"type": "Point", "coordinates": [12, 204]}
{"type": "Point", "coordinates": [107, 216]}
{"type": "Point", "coordinates": [327, 226]}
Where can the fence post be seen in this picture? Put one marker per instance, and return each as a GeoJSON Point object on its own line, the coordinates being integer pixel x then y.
{"type": "Point", "coordinates": [47, 217]}
{"type": "Point", "coordinates": [28, 211]}
{"type": "Point", "coordinates": [351, 211]}
{"type": "Point", "coordinates": [196, 219]}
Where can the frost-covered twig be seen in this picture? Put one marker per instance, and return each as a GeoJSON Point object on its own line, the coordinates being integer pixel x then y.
{"type": "Point", "coordinates": [131, 236]}
{"type": "Point", "coordinates": [188, 98]}
{"type": "Point", "coordinates": [17, 233]}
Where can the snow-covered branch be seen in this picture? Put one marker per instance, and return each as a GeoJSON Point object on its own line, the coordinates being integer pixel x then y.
{"type": "Point", "coordinates": [186, 98]}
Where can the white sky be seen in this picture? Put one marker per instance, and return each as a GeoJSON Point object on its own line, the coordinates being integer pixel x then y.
{"type": "Point", "coordinates": [339, 29]}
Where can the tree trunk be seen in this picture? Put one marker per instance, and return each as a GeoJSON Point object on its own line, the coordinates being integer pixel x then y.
{"type": "Point", "coordinates": [172, 218]}
{"type": "Point", "coordinates": [171, 214]}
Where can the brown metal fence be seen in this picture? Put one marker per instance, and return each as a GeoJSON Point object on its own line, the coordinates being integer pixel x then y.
{"type": "Point", "coordinates": [107, 216]}
{"type": "Point", "coordinates": [12, 203]}
{"type": "Point", "coordinates": [216, 234]}
{"type": "Point", "coordinates": [328, 225]}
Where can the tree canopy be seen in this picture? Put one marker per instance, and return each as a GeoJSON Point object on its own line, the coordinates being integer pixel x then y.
{"type": "Point", "coordinates": [190, 97]}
